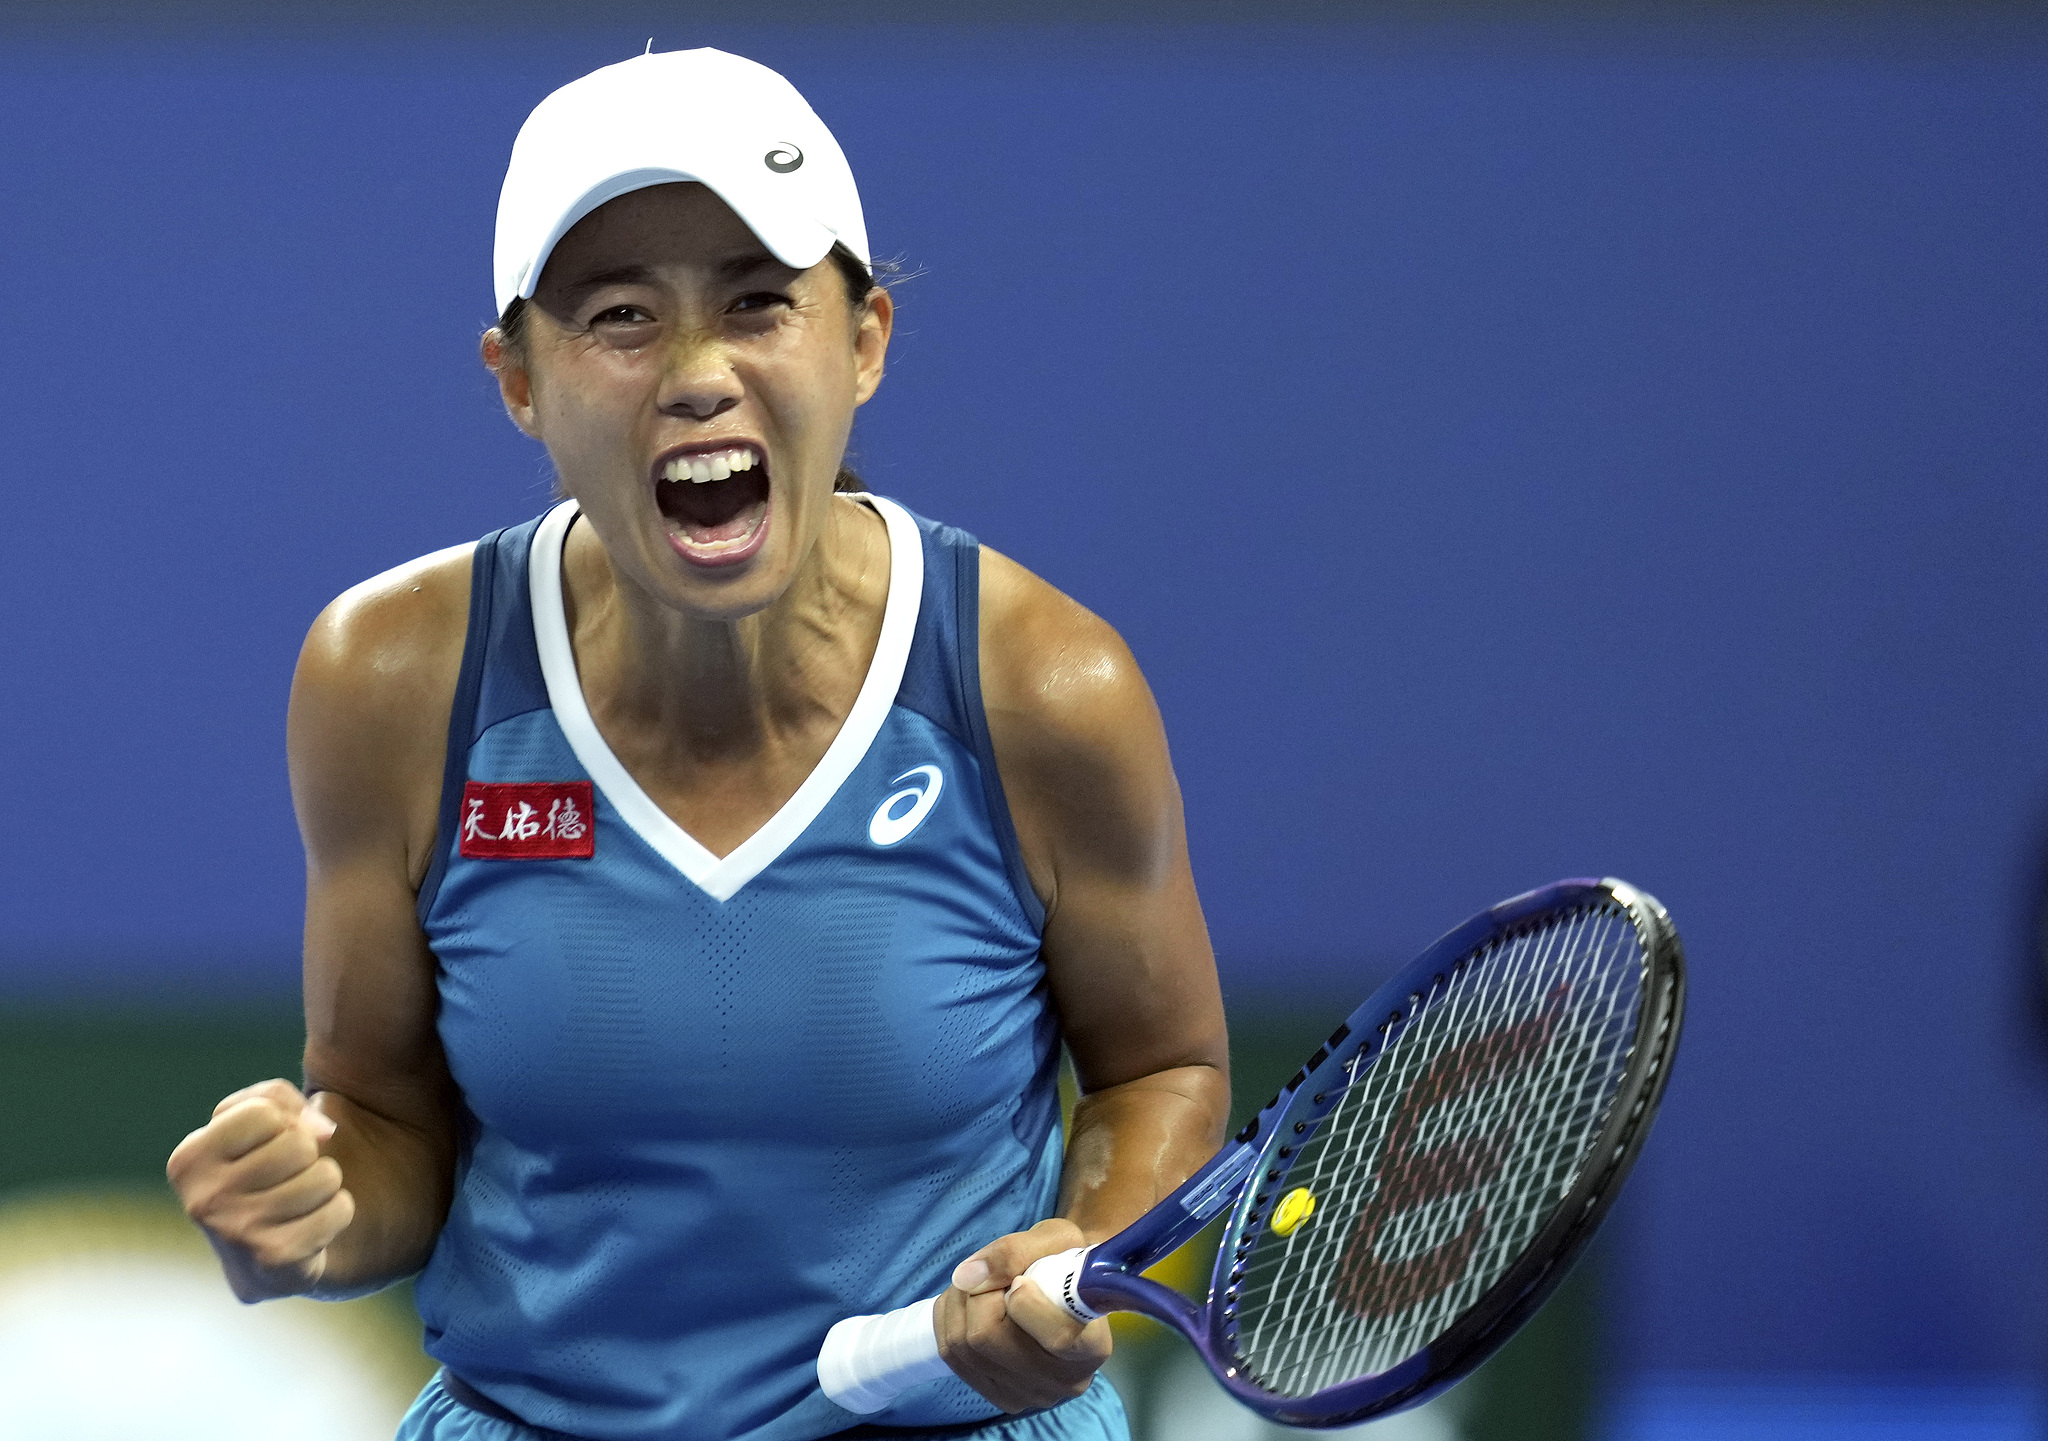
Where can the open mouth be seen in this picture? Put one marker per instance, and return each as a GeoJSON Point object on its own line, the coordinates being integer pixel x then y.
{"type": "Point", "coordinates": [715, 503]}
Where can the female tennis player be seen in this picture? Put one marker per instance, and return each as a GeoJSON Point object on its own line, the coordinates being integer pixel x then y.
{"type": "Point", "coordinates": [703, 876]}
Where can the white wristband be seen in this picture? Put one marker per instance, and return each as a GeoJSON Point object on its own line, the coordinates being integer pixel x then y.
{"type": "Point", "coordinates": [867, 1361]}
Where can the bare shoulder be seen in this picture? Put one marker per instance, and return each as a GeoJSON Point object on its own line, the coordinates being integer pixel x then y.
{"type": "Point", "coordinates": [1059, 671]}
{"type": "Point", "coordinates": [1077, 736]}
{"type": "Point", "coordinates": [370, 703]}
{"type": "Point", "coordinates": [387, 643]}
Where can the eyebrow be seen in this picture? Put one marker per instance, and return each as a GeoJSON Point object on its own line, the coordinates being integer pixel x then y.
{"type": "Point", "coordinates": [747, 263]}
{"type": "Point", "coordinates": [735, 268]}
{"type": "Point", "coordinates": [617, 275]}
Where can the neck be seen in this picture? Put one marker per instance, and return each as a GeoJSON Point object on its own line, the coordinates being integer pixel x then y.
{"type": "Point", "coordinates": [724, 688]}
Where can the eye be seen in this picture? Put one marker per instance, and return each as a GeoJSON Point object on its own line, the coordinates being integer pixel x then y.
{"type": "Point", "coordinates": [757, 301]}
{"type": "Point", "coordinates": [621, 315]}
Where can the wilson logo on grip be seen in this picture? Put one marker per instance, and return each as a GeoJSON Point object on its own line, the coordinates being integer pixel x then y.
{"type": "Point", "coordinates": [1416, 1170]}
{"type": "Point", "coordinates": [528, 821]}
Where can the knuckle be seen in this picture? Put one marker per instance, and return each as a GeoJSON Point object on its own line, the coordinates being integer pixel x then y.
{"type": "Point", "coordinates": [222, 1210]}
{"type": "Point", "coordinates": [279, 1247]}
{"type": "Point", "coordinates": [269, 1250]}
{"type": "Point", "coordinates": [242, 1127]}
{"type": "Point", "coordinates": [209, 1207]}
{"type": "Point", "coordinates": [1066, 1346]}
{"type": "Point", "coordinates": [198, 1149]}
{"type": "Point", "coordinates": [985, 1317]}
{"type": "Point", "coordinates": [248, 1111]}
{"type": "Point", "coordinates": [244, 1234]}
{"type": "Point", "coordinates": [1084, 1350]}
{"type": "Point", "coordinates": [233, 1099]}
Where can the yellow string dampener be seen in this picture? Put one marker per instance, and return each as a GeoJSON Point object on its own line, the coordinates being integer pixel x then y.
{"type": "Point", "coordinates": [1295, 1207]}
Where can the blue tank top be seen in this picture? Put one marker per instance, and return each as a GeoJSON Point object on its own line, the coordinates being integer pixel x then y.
{"type": "Point", "coordinates": [713, 1105]}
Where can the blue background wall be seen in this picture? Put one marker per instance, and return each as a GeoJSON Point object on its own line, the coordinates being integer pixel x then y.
{"type": "Point", "coordinates": [1514, 449]}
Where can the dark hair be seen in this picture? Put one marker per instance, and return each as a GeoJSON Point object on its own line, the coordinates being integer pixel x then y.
{"type": "Point", "coordinates": [860, 281]}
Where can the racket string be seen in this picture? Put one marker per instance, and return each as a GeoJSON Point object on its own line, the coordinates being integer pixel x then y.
{"type": "Point", "coordinates": [1494, 1094]}
{"type": "Point", "coordinates": [1570, 1121]}
{"type": "Point", "coordinates": [1533, 962]}
{"type": "Point", "coordinates": [1305, 1297]}
{"type": "Point", "coordinates": [1487, 1121]}
{"type": "Point", "coordinates": [1527, 962]}
{"type": "Point", "coordinates": [1308, 1292]}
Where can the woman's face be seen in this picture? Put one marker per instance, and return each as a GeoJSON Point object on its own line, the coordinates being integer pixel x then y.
{"type": "Point", "coordinates": [695, 394]}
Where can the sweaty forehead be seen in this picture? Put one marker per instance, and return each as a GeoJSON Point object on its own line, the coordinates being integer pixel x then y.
{"type": "Point", "coordinates": [644, 233]}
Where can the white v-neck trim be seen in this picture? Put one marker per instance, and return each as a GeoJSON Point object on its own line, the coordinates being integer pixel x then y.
{"type": "Point", "coordinates": [722, 878]}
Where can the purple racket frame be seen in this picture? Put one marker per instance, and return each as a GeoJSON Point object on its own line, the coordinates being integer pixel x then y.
{"type": "Point", "coordinates": [1111, 1279]}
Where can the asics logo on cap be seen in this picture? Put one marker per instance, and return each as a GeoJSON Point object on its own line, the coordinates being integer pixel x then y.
{"type": "Point", "coordinates": [784, 158]}
{"type": "Point", "coordinates": [890, 824]}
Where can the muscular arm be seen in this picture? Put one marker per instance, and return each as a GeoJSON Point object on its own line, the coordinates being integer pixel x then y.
{"type": "Point", "coordinates": [1098, 813]}
{"type": "Point", "coordinates": [367, 733]}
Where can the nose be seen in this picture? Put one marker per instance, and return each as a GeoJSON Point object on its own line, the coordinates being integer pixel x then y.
{"type": "Point", "coordinates": [698, 381]}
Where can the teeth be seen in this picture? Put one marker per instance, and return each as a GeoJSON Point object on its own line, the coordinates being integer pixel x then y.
{"type": "Point", "coordinates": [710, 465]}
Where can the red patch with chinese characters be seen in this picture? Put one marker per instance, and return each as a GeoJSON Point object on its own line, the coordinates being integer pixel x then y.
{"type": "Point", "coordinates": [528, 821]}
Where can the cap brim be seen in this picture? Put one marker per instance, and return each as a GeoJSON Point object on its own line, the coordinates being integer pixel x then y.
{"type": "Point", "coordinates": [797, 241]}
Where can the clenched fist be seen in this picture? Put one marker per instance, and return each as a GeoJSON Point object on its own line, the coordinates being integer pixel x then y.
{"type": "Point", "coordinates": [1007, 1339]}
{"type": "Point", "coordinates": [255, 1181]}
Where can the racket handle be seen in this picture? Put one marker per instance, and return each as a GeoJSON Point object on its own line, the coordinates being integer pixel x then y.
{"type": "Point", "coordinates": [868, 1361]}
{"type": "Point", "coordinates": [1059, 1276]}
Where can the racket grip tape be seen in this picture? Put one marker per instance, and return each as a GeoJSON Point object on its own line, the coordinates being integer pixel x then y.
{"type": "Point", "coordinates": [868, 1361]}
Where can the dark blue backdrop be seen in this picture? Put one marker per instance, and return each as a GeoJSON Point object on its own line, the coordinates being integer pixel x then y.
{"type": "Point", "coordinates": [1513, 453]}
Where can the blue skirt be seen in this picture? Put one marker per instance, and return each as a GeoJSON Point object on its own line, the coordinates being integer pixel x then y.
{"type": "Point", "coordinates": [1095, 1415]}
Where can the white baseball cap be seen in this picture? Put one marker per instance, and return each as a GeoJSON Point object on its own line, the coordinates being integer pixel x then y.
{"type": "Point", "coordinates": [704, 115]}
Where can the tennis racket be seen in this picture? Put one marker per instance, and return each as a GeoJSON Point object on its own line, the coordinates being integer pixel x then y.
{"type": "Point", "coordinates": [1415, 1191]}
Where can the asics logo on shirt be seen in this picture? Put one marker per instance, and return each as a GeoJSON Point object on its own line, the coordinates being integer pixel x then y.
{"type": "Point", "coordinates": [904, 811]}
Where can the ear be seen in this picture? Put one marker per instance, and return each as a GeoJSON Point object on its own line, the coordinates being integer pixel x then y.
{"type": "Point", "coordinates": [515, 384]}
{"type": "Point", "coordinates": [871, 343]}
